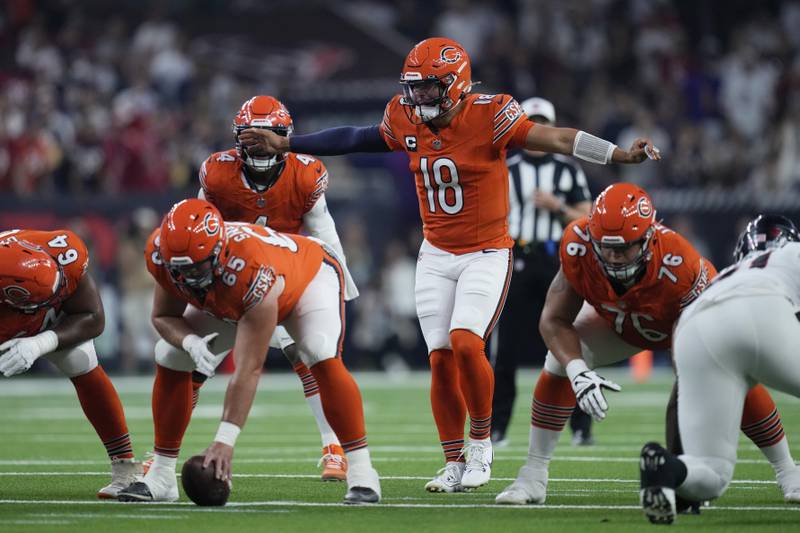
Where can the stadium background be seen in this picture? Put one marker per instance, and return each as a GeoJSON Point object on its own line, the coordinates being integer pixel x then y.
{"type": "Point", "coordinates": [107, 110]}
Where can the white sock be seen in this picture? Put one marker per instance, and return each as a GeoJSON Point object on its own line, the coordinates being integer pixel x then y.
{"type": "Point", "coordinates": [541, 444]}
{"type": "Point", "coordinates": [162, 461]}
{"type": "Point", "coordinates": [326, 432]}
{"type": "Point", "coordinates": [358, 459]}
{"type": "Point", "coordinates": [779, 456]}
{"type": "Point", "coordinates": [486, 443]}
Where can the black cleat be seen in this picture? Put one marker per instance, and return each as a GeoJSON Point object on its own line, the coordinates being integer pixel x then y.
{"type": "Point", "coordinates": [660, 472]}
{"type": "Point", "coordinates": [136, 492]}
{"type": "Point", "coordinates": [361, 495]}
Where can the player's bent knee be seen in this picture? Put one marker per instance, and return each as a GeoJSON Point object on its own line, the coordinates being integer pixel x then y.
{"type": "Point", "coordinates": [173, 358]}
{"type": "Point", "coordinates": [707, 479]}
{"type": "Point", "coordinates": [466, 343]}
{"type": "Point", "coordinates": [317, 347]}
{"type": "Point", "coordinates": [552, 365]}
{"type": "Point", "coordinates": [76, 361]}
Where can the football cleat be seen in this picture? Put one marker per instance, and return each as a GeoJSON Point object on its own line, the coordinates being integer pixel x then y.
{"type": "Point", "coordinates": [529, 487]}
{"type": "Point", "coordinates": [363, 486]}
{"type": "Point", "coordinates": [789, 482]}
{"type": "Point", "coordinates": [448, 479]}
{"type": "Point", "coordinates": [657, 494]}
{"type": "Point", "coordinates": [478, 465]}
{"type": "Point", "coordinates": [333, 463]}
{"type": "Point", "coordinates": [158, 485]}
{"type": "Point", "coordinates": [123, 473]}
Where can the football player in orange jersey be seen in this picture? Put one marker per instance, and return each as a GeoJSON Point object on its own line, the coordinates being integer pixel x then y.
{"type": "Point", "coordinates": [456, 142]}
{"type": "Point", "coordinates": [233, 283]}
{"type": "Point", "coordinates": [623, 282]}
{"type": "Point", "coordinates": [50, 307]}
{"type": "Point", "coordinates": [287, 193]}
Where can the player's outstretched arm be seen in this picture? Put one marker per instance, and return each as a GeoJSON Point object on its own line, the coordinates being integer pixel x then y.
{"type": "Point", "coordinates": [332, 141]}
{"type": "Point", "coordinates": [569, 141]}
{"type": "Point", "coordinates": [253, 332]}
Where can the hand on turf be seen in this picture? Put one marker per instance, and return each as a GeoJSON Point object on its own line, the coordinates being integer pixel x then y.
{"type": "Point", "coordinates": [204, 359]}
{"type": "Point", "coordinates": [21, 353]}
{"type": "Point", "coordinates": [261, 142]}
{"type": "Point", "coordinates": [221, 456]}
{"type": "Point", "coordinates": [588, 387]}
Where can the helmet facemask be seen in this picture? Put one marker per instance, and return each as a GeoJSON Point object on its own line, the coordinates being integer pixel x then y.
{"type": "Point", "coordinates": [195, 275]}
{"type": "Point", "coordinates": [260, 163]}
{"type": "Point", "coordinates": [629, 271]}
{"type": "Point", "coordinates": [429, 97]}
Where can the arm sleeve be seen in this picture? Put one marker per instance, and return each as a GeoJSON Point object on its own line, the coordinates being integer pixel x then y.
{"type": "Point", "coordinates": [338, 141]}
{"type": "Point", "coordinates": [319, 223]}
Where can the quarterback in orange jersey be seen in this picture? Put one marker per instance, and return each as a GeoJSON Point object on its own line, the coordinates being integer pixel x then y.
{"type": "Point", "coordinates": [456, 142]}
{"type": "Point", "coordinates": [287, 193]}
{"type": "Point", "coordinates": [241, 280]}
{"type": "Point", "coordinates": [51, 308]}
{"type": "Point", "coordinates": [623, 282]}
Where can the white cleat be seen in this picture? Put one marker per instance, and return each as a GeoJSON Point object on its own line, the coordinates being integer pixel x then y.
{"type": "Point", "coordinates": [478, 465]}
{"type": "Point", "coordinates": [789, 482]}
{"type": "Point", "coordinates": [123, 473]}
{"type": "Point", "coordinates": [363, 486]}
{"type": "Point", "coordinates": [158, 485]}
{"type": "Point", "coordinates": [448, 479]}
{"type": "Point", "coordinates": [529, 487]}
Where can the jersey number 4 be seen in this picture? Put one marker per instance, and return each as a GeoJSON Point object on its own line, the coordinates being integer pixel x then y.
{"type": "Point", "coordinates": [447, 194]}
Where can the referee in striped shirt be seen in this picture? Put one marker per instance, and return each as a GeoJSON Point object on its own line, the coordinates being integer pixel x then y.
{"type": "Point", "coordinates": [546, 192]}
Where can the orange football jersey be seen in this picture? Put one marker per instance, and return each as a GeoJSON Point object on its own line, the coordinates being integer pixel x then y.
{"type": "Point", "coordinates": [460, 170]}
{"type": "Point", "coordinates": [256, 256]}
{"type": "Point", "coordinates": [646, 313]}
{"type": "Point", "coordinates": [70, 252]}
{"type": "Point", "coordinates": [302, 181]}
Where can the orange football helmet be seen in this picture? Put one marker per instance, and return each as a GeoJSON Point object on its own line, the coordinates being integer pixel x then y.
{"type": "Point", "coordinates": [622, 216]}
{"type": "Point", "coordinates": [30, 278]}
{"type": "Point", "coordinates": [192, 243]}
{"type": "Point", "coordinates": [262, 112]}
{"type": "Point", "coordinates": [436, 76]}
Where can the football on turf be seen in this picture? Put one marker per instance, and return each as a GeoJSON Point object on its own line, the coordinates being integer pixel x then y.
{"type": "Point", "coordinates": [200, 485]}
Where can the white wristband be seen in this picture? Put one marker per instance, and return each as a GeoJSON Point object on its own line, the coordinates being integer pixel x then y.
{"type": "Point", "coordinates": [575, 367]}
{"type": "Point", "coordinates": [592, 149]}
{"type": "Point", "coordinates": [47, 341]}
{"type": "Point", "coordinates": [227, 433]}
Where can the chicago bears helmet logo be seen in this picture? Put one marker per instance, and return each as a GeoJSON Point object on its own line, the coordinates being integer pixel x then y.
{"type": "Point", "coordinates": [211, 224]}
{"type": "Point", "coordinates": [450, 54]}
{"type": "Point", "coordinates": [16, 294]}
{"type": "Point", "coordinates": [644, 207]}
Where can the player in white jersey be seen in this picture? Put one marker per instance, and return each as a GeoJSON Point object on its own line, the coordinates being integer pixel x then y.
{"type": "Point", "coordinates": [744, 329]}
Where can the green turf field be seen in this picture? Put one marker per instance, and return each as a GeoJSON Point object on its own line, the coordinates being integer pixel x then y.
{"type": "Point", "coordinates": [52, 463]}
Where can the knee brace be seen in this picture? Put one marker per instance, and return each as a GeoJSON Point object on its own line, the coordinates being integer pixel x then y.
{"type": "Point", "coordinates": [75, 361]}
{"type": "Point", "coordinates": [173, 358]}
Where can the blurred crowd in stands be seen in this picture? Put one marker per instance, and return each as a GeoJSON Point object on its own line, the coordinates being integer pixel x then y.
{"type": "Point", "coordinates": [112, 105]}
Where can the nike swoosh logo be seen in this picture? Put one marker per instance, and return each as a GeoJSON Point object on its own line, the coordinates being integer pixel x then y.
{"type": "Point", "coordinates": [489, 251]}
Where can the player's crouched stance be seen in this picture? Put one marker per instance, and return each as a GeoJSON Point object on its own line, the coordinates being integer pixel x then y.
{"type": "Point", "coordinates": [743, 329]}
{"type": "Point", "coordinates": [50, 308]}
{"type": "Point", "coordinates": [242, 280]}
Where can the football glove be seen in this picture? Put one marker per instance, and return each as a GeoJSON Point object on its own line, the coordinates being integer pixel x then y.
{"type": "Point", "coordinates": [22, 352]}
{"type": "Point", "coordinates": [204, 359]}
{"type": "Point", "coordinates": [588, 386]}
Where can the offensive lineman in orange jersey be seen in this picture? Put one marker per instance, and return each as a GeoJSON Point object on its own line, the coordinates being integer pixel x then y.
{"type": "Point", "coordinates": [51, 308]}
{"type": "Point", "coordinates": [623, 282]}
{"type": "Point", "coordinates": [287, 193]}
{"type": "Point", "coordinates": [237, 281]}
{"type": "Point", "coordinates": [456, 143]}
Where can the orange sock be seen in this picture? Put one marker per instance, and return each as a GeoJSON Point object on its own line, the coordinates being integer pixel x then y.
{"type": "Point", "coordinates": [761, 421]}
{"type": "Point", "coordinates": [476, 379]}
{"type": "Point", "coordinates": [641, 365]}
{"type": "Point", "coordinates": [341, 402]}
{"type": "Point", "coordinates": [447, 403]}
{"type": "Point", "coordinates": [310, 387]}
{"type": "Point", "coordinates": [553, 402]}
{"type": "Point", "coordinates": [102, 407]}
{"type": "Point", "coordinates": [172, 409]}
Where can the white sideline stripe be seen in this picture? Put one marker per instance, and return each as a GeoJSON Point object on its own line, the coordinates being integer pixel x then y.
{"type": "Point", "coordinates": [395, 478]}
{"type": "Point", "coordinates": [288, 503]}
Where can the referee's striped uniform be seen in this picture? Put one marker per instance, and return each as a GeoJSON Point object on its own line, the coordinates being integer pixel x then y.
{"type": "Point", "coordinates": [537, 233]}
